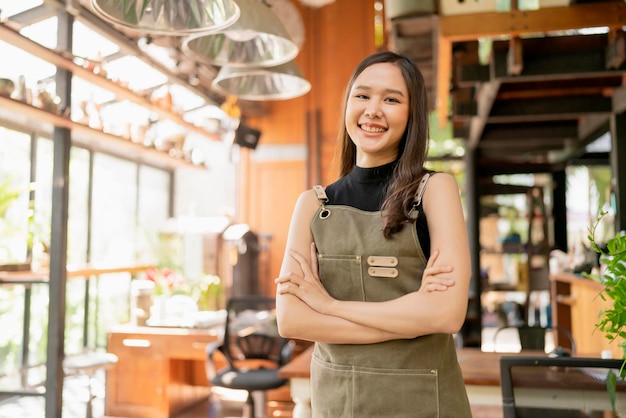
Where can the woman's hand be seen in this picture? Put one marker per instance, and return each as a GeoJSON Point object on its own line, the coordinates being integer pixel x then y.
{"type": "Point", "coordinates": [431, 279]}
{"type": "Point", "coordinates": [306, 287]}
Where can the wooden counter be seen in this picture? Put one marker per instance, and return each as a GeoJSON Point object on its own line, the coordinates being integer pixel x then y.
{"type": "Point", "coordinates": [576, 306]}
{"type": "Point", "coordinates": [160, 372]}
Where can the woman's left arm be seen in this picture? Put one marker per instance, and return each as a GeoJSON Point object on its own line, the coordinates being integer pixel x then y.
{"type": "Point", "coordinates": [425, 312]}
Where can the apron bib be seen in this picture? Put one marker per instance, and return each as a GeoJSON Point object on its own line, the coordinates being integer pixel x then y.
{"type": "Point", "coordinates": [396, 379]}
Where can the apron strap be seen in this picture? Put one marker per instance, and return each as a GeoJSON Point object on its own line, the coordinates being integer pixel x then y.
{"type": "Point", "coordinates": [417, 201]}
{"type": "Point", "coordinates": [320, 193]}
{"type": "Point", "coordinates": [323, 199]}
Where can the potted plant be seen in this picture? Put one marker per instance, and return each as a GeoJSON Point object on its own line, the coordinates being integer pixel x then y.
{"type": "Point", "coordinates": [612, 321]}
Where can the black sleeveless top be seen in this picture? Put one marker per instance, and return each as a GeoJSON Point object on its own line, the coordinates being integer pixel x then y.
{"type": "Point", "coordinates": [365, 189]}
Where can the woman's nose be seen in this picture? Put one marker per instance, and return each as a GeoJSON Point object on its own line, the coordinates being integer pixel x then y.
{"type": "Point", "coordinates": [373, 110]}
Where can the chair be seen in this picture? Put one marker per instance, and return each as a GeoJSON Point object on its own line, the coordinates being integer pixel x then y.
{"type": "Point", "coordinates": [88, 363]}
{"type": "Point", "coordinates": [558, 387]}
{"type": "Point", "coordinates": [534, 338]}
{"type": "Point", "coordinates": [252, 349]}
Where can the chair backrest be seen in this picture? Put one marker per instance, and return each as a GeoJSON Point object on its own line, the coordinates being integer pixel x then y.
{"type": "Point", "coordinates": [251, 331]}
{"type": "Point", "coordinates": [551, 387]}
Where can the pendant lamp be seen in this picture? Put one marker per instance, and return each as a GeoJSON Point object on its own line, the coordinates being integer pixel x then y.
{"type": "Point", "coordinates": [257, 39]}
{"type": "Point", "coordinates": [169, 17]}
{"type": "Point", "coordinates": [281, 82]}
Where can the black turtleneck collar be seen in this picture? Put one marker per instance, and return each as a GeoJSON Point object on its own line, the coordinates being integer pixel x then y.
{"type": "Point", "coordinates": [373, 174]}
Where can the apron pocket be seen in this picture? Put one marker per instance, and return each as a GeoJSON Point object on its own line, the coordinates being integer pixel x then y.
{"type": "Point", "coordinates": [332, 390]}
{"type": "Point", "coordinates": [363, 392]}
{"type": "Point", "coordinates": [397, 393]}
{"type": "Point", "coordinates": [342, 276]}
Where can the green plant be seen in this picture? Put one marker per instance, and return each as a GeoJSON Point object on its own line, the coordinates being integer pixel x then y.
{"type": "Point", "coordinates": [8, 195]}
{"type": "Point", "coordinates": [612, 320]}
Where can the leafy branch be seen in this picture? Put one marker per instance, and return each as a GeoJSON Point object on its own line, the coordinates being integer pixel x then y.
{"type": "Point", "coordinates": [612, 320]}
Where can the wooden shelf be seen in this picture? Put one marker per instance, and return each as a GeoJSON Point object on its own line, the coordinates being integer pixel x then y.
{"type": "Point", "coordinates": [13, 37]}
{"type": "Point", "coordinates": [93, 139]}
{"type": "Point", "coordinates": [86, 271]}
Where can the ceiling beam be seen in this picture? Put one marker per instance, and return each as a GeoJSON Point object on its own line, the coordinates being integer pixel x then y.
{"type": "Point", "coordinates": [523, 22]}
{"type": "Point", "coordinates": [565, 108]}
{"type": "Point", "coordinates": [526, 131]}
{"type": "Point", "coordinates": [488, 168]}
{"type": "Point", "coordinates": [528, 145]}
{"type": "Point", "coordinates": [475, 26]}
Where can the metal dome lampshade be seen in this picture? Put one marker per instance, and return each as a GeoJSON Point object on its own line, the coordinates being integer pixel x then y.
{"type": "Point", "coordinates": [169, 17]}
{"type": "Point", "coordinates": [257, 39]}
{"type": "Point", "coordinates": [281, 82]}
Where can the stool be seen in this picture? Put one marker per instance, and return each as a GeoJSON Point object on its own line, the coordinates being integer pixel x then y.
{"type": "Point", "coordinates": [88, 363]}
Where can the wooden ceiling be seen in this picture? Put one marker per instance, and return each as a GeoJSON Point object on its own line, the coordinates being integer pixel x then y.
{"type": "Point", "coordinates": [544, 90]}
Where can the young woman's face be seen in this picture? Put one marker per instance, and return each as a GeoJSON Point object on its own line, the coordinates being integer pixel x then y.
{"type": "Point", "coordinates": [377, 113]}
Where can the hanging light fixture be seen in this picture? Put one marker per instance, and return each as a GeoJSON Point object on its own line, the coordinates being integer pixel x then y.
{"type": "Point", "coordinates": [257, 39]}
{"type": "Point", "coordinates": [281, 82]}
{"type": "Point", "coordinates": [169, 17]}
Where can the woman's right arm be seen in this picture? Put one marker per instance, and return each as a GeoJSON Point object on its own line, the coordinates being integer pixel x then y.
{"type": "Point", "coordinates": [295, 318]}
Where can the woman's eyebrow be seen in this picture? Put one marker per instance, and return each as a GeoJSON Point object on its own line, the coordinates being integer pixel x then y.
{"type": "Point", "coordinates": [389, 91]}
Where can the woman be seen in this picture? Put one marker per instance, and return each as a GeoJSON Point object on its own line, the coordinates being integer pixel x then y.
{"type": "Point", "coordinates": [376, 271]}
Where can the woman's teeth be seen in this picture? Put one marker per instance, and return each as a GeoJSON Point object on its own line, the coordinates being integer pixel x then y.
{"type": "Point", "coordinates": [372, 129]}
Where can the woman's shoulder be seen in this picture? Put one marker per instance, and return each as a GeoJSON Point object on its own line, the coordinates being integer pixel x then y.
{"type": "Point", "coordinates": [440, 183]}
{"type": "Point", "coordinates": [310, 199]}
{"type": "Point", "coordinates": [440, 177]}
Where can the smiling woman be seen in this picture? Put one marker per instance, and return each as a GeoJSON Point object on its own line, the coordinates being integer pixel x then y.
{"type": "Point", "coordinates": [376, 269]}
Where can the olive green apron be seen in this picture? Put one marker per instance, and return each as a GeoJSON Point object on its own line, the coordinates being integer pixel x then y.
{"type": "Point", "coordinates": [419, 377]}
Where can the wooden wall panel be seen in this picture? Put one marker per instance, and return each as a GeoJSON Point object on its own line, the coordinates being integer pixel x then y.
{"type": "Point", "coordinates": [274, 189]}
{"type": "Point", "coordinates": [342, 35]}
{"type": "Point", "coordinates": [286, 123]}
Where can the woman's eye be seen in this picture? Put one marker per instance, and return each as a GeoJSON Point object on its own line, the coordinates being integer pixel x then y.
{"type": "Point", "coordinates": [361, 96]}
{"type": "Point", "coordinates": [393, 100]}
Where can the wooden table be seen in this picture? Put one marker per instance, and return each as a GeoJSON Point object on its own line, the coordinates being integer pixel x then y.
{"type": "Point", "coordinates": [481, 374]}
{"type": "Point", "coordinates": [160, 371]}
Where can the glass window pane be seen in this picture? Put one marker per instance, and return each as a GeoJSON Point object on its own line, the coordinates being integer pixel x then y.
{"type": "Point", "coordinates": [78, 221]}
{"type": "Point", "coordinates": [14, 195]}
{"type": "Point", "coordinates": [44, 32]}
{"type": "Point", "coordinates": [13, 7]}
{"type": "Point", "coordinates": [42, 216]}
{"type": "Point", "coordinates": [153, 211]}
{"type": "Point", "coordinates": [88, 44]}
{"type": "Point", "coordinates": [114, 209]}
{"type": "Point", "coordinates": [22, 63]}
{"type": "Point", "coordinates": [113, 239]}
{"type": "Point", "coordinates": [121, 68]}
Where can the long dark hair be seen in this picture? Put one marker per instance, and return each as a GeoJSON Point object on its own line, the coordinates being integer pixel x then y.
{"type": "Point", "coordinates": [413, 146]}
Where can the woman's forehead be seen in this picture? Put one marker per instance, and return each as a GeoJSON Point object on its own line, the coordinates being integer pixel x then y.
{"type": "Point", "coordinates": [381, 75]}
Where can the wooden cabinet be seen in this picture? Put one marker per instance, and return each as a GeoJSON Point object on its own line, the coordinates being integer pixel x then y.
{"type": "Point", "coordinates": [576, 306]}
{"type": "Point", "coordinates": [160, 372]}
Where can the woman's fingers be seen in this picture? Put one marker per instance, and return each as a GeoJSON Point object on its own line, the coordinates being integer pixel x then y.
{"type": "Point", "coordinates": [289, 283]}
{"type": "Point", "coordinates": [432, 259]}
{"type": "Point", "coordinates": [432, 279]}
{"type": "Point", "coordinates": [305, 264]}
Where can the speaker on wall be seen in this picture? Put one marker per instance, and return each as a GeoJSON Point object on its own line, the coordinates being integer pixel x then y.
{"type": "Point", "coordinates": [246, 136]}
